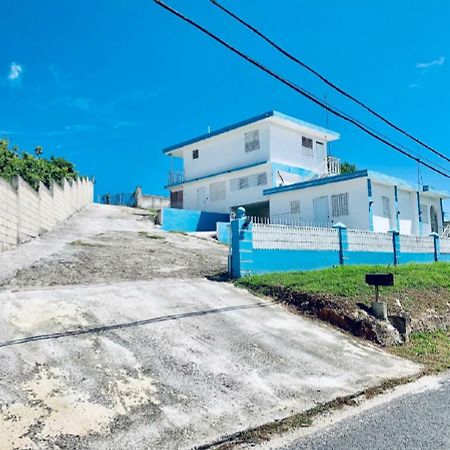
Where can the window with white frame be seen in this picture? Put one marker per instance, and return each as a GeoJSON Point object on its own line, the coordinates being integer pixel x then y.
{"type": "Point", "coordinates": [217, 191]}
{"type": "Point", "coordinates": [425, 216]}
{"type": "Point", "coordinates": [386, 203]}
{"type": "Point", "coordinates": [339, 205]}
{"type": "Point", "coordinates": [252, 141]}
{"type": "Point", "coordinates": [295, 207]}
{"type": "Point", "coordinates": [195, 154]}
{"type": "Point", "coordinates": [307, 147]}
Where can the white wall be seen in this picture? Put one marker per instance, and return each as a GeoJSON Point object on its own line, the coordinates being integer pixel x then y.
{"type": "Point", "coordinates": [358, 217]}
{"type": "Point", "coordinates": [426, 219]}
{"type": "Point", "coordinates": [26, 213]}
{"type": "Point", "coordinates": [380, 223]}
{"type": "Point", "coordinates": [225, 152]}
{"type": "Point", "coordinates": [408, 208]}
{"type": "Point", "coordinates": [233, 198]}
{"type": "Point", "coordinates": [286, 147]}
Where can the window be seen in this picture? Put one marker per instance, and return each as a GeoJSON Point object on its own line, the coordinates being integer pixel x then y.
{"type": "Point", "coordinates": [176, 199]}
{"type": "Point", "coordinates": [339, 205]}
{"type": "Point", "coordinates": [386, 207]}
{"type": "Point", "coordinates": [261, 179]}
{"type": "Point", "coordinates": [424, 209]}
{"type": "Point", "coordinates": [252, 141]}
{"type": "Point", "coordinates": [258, 179]}
{"type": "Point", "coordinates": [295, 206]}
{"type": "Point", "coordinates": [195, 154]}
{"type": "Point", "coordinates": [307, 147]}
{"type": "Point", "coordinates": [217, 191]}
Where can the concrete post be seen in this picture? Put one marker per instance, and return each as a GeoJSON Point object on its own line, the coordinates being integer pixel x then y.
{"type": "Point", "coordinates": [343, 241]}
{"type": "Point", "coordinates": [437, 246]}
{"type": "Point", "coordinates": [396, 246]}
{"type": "Point", "coordinates": [236, 226]}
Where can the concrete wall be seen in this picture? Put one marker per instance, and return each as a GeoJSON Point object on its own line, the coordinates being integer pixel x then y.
{"type": "Point", "coordinates": [225, 152]}
{"type": "Point", "coordinates": [149, 201]}
{"type": "Point", "coordinates": [358, 205]}
{"type": "Point", "coordinates": [26, 213]}
{"type": "Point", "coordinates": [233, 198]}
{"type": "Point", "coordinates": [408, 210]}
{"type": "Point", "coordinates": [286, 147]}
{"type": "Point", "coordinates": [189, 221]}
{"type": "Point", "coordinates": [262, 248]}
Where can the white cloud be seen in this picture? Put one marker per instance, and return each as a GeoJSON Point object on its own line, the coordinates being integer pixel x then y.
{"type": "Point", "coordinates": [413, 85]}
{"type": "Point", "coordinates": [15, 71]}
{"type": "Point", "coordinates": [437, 62]}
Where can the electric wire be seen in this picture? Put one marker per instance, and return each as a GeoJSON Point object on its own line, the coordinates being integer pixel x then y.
{"type": "Point", "coordinates": [300, 90]}
{"type": "Point", "coordinates": [326, 80]}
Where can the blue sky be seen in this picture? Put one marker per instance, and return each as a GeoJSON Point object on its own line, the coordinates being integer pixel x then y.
{"type": "Point", "coordinates": [109, 83]}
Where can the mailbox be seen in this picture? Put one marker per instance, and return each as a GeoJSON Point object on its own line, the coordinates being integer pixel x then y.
{"type": "Point", "coordinates": [380, 279]}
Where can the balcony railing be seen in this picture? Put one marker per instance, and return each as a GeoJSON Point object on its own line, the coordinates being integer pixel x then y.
{"type": "Point", "coordinates": [327, 168]}
{"type": "Point", "coordinates": [175, 177]}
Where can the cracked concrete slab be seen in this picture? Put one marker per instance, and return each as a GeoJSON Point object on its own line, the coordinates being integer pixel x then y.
{"type": "Point", "coordinates": [215, 361]}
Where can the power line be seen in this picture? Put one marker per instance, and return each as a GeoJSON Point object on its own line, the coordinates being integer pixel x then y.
{"type": "Point", "coordinates": [298, 89]}
{"type": "Point", "coordinates": [327, 81]}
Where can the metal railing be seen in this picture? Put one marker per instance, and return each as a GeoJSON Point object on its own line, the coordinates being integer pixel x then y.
{"type": "Point", "coordinates": [285, 220]}
{"type": "Point", "coordinates": [175, 177]}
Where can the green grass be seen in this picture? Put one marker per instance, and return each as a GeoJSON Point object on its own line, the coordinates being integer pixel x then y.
{"type": "Point", "coordinates": [149, 235]}
{"type": "Point", "coordinates": [431, 349]}
{"type": "Point", "coordinates": [349, 281]}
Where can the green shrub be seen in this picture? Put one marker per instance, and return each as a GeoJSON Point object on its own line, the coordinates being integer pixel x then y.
{"type": "Point", "coordinates": [33, 169]}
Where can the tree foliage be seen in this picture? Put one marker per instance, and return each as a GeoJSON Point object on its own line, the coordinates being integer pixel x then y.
{"type": "Point", "coordinates": [33, 169]}
{"type": "Point", "coordinates": [347, 167]}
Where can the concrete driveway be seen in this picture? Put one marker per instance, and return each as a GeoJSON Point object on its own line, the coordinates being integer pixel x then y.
{"type": "Point", "coordinates": [165, 363]}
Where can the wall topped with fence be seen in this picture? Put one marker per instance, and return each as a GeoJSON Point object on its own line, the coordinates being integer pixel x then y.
{"type": "Point", "coordinates": [258, 247]}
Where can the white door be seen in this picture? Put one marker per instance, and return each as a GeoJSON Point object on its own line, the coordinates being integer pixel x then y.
{"type": "Point", "coordinates": [321, 211]}
{"type": "Point", "coordinates": [201, 198]}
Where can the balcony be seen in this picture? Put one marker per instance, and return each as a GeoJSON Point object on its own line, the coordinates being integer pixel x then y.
{"type": "Point", "coordinates": [175, 177]}
{"type": "Point", "coordinates": [327, 168]}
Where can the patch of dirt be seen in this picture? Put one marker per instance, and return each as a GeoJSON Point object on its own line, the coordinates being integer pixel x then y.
{"type": "Point", "coordinates": [125, 256]}
{"type": "Point", "coordinates": [409, 311]}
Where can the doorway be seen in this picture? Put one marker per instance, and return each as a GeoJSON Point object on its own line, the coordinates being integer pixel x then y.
{"type": "Point", "coordinates": [321, 211]}
{"type": "Point", "coordinates": [434, 220]}
{"type": "Point", "coordinates": [201, 198]}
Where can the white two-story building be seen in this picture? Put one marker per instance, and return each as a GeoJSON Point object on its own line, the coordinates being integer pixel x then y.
{"type": "Point", "coordinates": [278, 167]}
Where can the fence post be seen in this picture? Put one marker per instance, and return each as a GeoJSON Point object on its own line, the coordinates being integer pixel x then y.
{"type": "Point", "coordinates": [437, 246]}
{"type": "Point", "coordinates": [396, 245]}
{"type": "Point", "coordinates": [237, 226]}
{"type": "Point", "coordinates": [343, 241]}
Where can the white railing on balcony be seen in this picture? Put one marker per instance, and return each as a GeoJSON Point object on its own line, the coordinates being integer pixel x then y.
{"type": "Point", "coordinates": [175, 177]}
{"type": "Point", "coordinates": [328, 167]}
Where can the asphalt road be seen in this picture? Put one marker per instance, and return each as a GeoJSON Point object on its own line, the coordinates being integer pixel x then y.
{"type": "Point", "coordinates": [413, 422]}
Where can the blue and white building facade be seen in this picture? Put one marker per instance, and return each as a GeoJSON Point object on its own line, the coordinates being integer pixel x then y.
{"type": "Point", "coordinates": [278, 167]}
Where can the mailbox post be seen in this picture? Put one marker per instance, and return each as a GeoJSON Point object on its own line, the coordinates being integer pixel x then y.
{"type": "Point", "coordinates": [379, 308]}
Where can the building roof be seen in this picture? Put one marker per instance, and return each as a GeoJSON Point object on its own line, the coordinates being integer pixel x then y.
{"type": "Point", "coordinates": [331, 135]}
{"type": "Point", "coordinates": [374, 176]}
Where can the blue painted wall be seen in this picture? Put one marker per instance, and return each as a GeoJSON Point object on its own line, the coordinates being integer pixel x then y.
{"type": "Point", "coordinates": [247, 260]}
{"type": "Point", "coordinates": [188, 221]}
{"type": "Point", "coordinates": [444, 257]}
{"type": "Point", "coordinates": [223, 232]}
{"type": "Point", "coordinates": [369, 258]}
{"type": "Point", "coordinates": [264, 260]}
